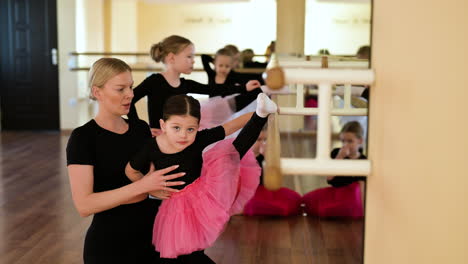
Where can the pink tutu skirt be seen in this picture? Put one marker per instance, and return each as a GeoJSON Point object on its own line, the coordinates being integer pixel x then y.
{"type": "Point", "coordinates": [335, 201]}
{"type": "Point", "coordinates": [193, 218]}
{"type": "Point", "coordinates": [282, 202]}
{"type": "Point", "coordinates": [215, 111]}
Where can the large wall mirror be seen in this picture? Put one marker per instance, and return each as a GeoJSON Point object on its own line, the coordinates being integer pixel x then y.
{"type": "Point", "coordinates": [328, 224]}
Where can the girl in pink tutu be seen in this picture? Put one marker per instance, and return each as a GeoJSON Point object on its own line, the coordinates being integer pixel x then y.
{"type": "Point", "coordinates": [218, 182]}
{"type": "Point", "coordinates": [282, 202]}
{"type": "Point", "coordinates": [345, 197]}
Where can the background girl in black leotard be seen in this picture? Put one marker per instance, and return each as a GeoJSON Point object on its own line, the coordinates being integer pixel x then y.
{"type": "Point", "coordinates": [177, 54]}
{"type": "Point", "coordinates": [345, 197]}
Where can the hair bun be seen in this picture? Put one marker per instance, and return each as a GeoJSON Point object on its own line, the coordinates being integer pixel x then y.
{"type": "Point", "coordinates": [156, 52]}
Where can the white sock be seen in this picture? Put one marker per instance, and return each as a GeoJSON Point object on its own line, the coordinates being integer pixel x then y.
{"type": "Point", "coordinates": [265, 105]}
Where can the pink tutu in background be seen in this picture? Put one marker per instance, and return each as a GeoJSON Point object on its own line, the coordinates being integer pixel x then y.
{"type": "Point", "coordinates": [335, 201]}
{"type": "Point", "coordinates": [215, 111]}
{"type": "Point", "coordinates": [193, 218]}
{"type": "Point", "coordinates": [282, 202]}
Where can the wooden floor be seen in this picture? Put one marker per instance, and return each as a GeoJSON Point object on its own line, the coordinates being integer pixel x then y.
{"type": "Point", "coordinates": [38, 223]}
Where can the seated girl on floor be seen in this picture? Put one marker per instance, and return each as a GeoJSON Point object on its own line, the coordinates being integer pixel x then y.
{"type": "Point", "coordinates": [345, 196]}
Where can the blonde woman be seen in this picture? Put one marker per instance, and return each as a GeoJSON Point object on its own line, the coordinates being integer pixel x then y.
{"type": "Point", "coordinates": [97, 153]}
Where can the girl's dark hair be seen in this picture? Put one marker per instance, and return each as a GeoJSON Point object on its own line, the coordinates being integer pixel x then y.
{"type": "Point", "coordinates": [174, 44]}
{"type": "Point", "coordinates": [353, 127]}
{"type": "Point", "coordinates": [324, 52]}
{"type": "Point", "coordinates": [363, 52]}
{"type": "Point", "coordinates": [181, 105]}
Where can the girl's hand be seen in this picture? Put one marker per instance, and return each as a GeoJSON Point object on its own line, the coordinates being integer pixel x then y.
{"type": "Point", "coordinates": [252, 84]}
{"type": "Point", "coordinates": [155, 132]}
{"type": "Point", "coordinates": [158, 181]}
{"type": "Point", "coordinates": [343, 153]}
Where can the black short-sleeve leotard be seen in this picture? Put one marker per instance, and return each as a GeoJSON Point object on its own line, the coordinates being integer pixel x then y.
{"type": "Point", "coordinates": [121, 234]}
{"type": "Point", "coordinates": [233, 77]}
{"type": "Point", "coordinates": [189, 160]}
{"type": "Point", "coordinates": [158, 90]}
{"type": "Point", "coordinates": [340, 181]}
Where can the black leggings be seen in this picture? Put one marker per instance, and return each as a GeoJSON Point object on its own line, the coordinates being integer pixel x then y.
{"type": "Point", "coordinates": [243, 100]}
{"type": "Point", "coordinates": [197, 257]}
{"type": "Point", "coordinates": [249, 134]}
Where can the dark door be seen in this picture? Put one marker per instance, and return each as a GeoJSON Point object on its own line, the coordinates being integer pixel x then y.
{"type": "Point", "coordinates": [28, 68]}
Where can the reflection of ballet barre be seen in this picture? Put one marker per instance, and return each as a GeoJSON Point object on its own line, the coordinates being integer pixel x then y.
{"type": "Point", "coordinates": [304, 166]}
{"type": "Point", "coordinates": [144, 63]}
{"type": "Point", "coordinates": [336, 64]}
{"type": "Point", "coordinates": [353, 104]}
{"type": "Point", "coordinates": [317, 76]}
{"type": "Point", "coordinates": [150, 68]}
{"type": "Point", "coordinates": [144, 54]}
{"type": "Point", "coordinates": [322, 164]}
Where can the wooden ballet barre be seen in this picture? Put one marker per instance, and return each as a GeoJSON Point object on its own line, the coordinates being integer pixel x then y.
{"type": "Point", "coordinates": [326, 167]}
{"type": "Point", "coordinates": [277, 77]}
{"type": "Point", "coordinates": [315, 111]}
{"type": "Point", "coordinates": [332, 76]}
{"type": "Point", "coordinates": [334, 57]}
{"type": "Point", "coordinates": [335, 64]}
{"type": "Point", "coordinates": [274, 180]}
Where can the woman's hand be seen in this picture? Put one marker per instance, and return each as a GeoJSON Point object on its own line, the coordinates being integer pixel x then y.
{"type": "Point", "coordinates": [163, 195]}
{"type": "Point", "coordinates": [155, 181]}
{"type": "Point", "coordinates": [252, 84]}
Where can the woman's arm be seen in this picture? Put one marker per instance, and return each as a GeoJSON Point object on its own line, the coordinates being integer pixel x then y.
{"type": "Point", "coordinates": [236, 124]}
{"type": "Point", "coordinates": [88, 202]}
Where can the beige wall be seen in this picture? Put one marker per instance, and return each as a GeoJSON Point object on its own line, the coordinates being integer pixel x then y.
{"type": "Point", "coordinates": [123, 27]}
{"type": "Point", "coordinates": [417, 203]}
{"type": "Point", "coordinates": [210, 26]}
{"type": "Point", "coordinates": [68, 90]}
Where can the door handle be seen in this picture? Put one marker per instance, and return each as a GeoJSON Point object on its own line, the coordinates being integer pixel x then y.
{"type": "Point", "coordinates": [53, 53]}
